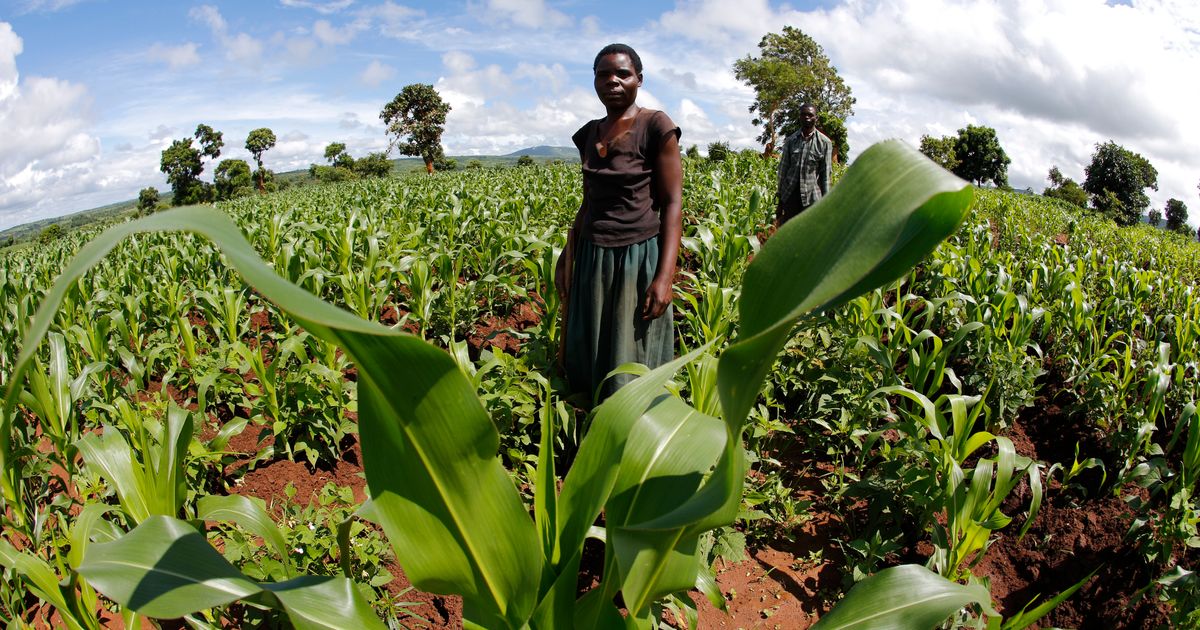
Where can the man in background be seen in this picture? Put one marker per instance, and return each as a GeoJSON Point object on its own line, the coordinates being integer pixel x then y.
{"type": "Point", "coordinates": [804, 168]}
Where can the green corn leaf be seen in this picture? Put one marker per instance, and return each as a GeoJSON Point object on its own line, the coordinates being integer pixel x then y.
{"type": "Point", "coordinates": [112, 458]}
{"type": "Point", "coordinates": [247, 513]}
{"type": "Point", "coordinates": [164, 568]}
{"type": "Point", "coordinates": [324, 603]}
{"type": "Point", "coordinates": [42, 580]}
{"type": "Point", "coordinates": [429, 449]}
{"type": "Point", "coordinates": [907, 597]}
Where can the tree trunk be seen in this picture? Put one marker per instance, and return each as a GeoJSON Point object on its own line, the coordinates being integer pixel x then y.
{"type": "Point", "coordinates": [429, 167]}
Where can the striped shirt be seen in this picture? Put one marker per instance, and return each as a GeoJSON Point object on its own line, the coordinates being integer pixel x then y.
{"type": "Point", "coordinates": [804, 171]}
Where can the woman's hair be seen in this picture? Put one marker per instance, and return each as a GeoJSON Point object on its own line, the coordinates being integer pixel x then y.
{"type": "Point", "coordinates": [619, 49]}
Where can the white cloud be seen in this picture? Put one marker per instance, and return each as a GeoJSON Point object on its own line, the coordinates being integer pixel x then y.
{"type": "Point", "coordinates": [10, 46]}
{"type": "Point", "coordinates": [528, 13]}
{"type": "Point", "coordinates": [376, 73]}
{"type": "Point", "coordinates": [242, 49]}
{"type": "Point", "coordinates": [332, 6]}
{"type": "Point", "coordinates": [330, 35]}
{"type": "Point", "coordinates": [176, 57]}
{"type": "Point", "coordinates": [47, 6]}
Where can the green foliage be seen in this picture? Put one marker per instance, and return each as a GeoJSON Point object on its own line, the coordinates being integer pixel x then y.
{"type": "Point", "coordinates": [232, 179]}
{"type": "Point", "coordinates": [53, 232]}
{"type": "Point", "coordinates": [259, 141]}
{"type": "Point", "coordinates": [415, 119]}
{"type": "Point", "coordinates": [980, 157]}
{"type": "Point", "coordinates": [210, 141]}
{"type": "Point", "coordinates": [525, 160]}
{"type": "Point", "coordinates": [1177, 216]}
{"type": "Point", "coordinates": [835, 129]}
{"type": "Point", "coordinates": [719, 151]}
{"type": "Point", "coordinates": [1117, 179]}
{"type": "Point", "coordinates": [182, 166]}
{"type": "Point", "coordinates": [474, 164]}
{"type": "Point", "coordinates": [147, 200]}
{"type": "Point", "coordinates": [1154, 217]}
{"type": "Point", "coordinates": [336, 155]}
{"type": "Point", "coordinates": [375, 164]}
{"type": "Point", "coordinates": [940, 150]}
{"type": "Point", "coordinates": [693, 152]}
{"type": "Point", "coordinates": [792, 70]}
{"type": "Point", "coordinates": [1065, 188]}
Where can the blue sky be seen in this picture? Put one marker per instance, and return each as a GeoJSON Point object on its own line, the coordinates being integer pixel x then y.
{"type": "Point", "coordinates": [91, 91]}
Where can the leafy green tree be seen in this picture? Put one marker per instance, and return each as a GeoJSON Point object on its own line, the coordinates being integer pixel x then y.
{"type": "Point", "coordinates": [474, 164]}
{"type": "Point", "coordinates": [1177, 216]}
{"type": "Point", "coordinates": [147, 200]}
{"type": "Point", "coordinates": [719, 151]}
{"type": "Point", "coordinates": [210, 141]}
{"type": "Point", "coordinates": [1125, 175]}
{"type": "Point", "coordinates": [524, 160]}
{"type": "Point", "coordinates": [792, 70]}
{"type": "Point", "coordinates": [443, 163]}
{"type": "Point", "coordinates": [374, 164]}
{"type": "Point", "coordinates": [1154, 217]}
{"type": "Point", "coordinates": [232, 179]}
{"type": "Point", "coordinates": [52, 232]}
{"type": "Point", "coordinates": [980, 156]}
{"type": "Point", "coordinates": [336, 155]}
{"type": "Point", "coordinates": [416, 118]}
{"type": "Point", "coordinates": [258, 142]}
{"type": "Point", "coordinates": [182, 166]}
{"type": "Point", "coordinates": [835, 129]}
{"type": "Point", "coordinates": [693, 152]}
{"type": "Point", "coordinates": [1065, 188]}
{"type": "Point", "coordinates": [940, 150]}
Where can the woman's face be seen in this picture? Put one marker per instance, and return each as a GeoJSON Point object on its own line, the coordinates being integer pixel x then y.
{"type": "Point", "coordinates": [617, 81]}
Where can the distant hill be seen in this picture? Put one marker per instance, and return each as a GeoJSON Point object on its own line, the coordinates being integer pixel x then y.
{"type": "Point", "coordinates": [544, 151]}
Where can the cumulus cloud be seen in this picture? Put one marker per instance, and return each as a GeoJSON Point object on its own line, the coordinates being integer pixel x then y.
{"type": "Point", "coordinates": [528, 13]}
{"type": "Point", "coordinates": [176, 57]}
{"type": "Point", "coordinates": [330, 35]}
{"type": "Point", "coordinates": [47, 6]}
{"type": "Point", "coordinates": [376, 73]}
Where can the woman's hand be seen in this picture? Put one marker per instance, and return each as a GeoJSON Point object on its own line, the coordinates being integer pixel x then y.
{"type": "Point", "coordinates": [658, 297]}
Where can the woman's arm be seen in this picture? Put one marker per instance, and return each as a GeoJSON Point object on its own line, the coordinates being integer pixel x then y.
{"type": "Point", "coordinates": [563, 269]}
{"type": "Point", "coordinates": [669, 175]}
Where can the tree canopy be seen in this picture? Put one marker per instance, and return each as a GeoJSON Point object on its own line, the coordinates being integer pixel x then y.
{"type": "Point", "coordinates": [210, 141]}
{"type": "Point", "coordinates": [147, 200]}
{"type": "Point", "coordinates": [940, 150]}
{"type": "Point", "coordinates": [232, 179]}
{"type": "Point", "coordinates": [1117, 179]}
{"type": "Point", "coordinates": [416, 118]}
{"type": "Point", "coordinates": [980, 156]}
{"type": "Point", "coordinates": [1177, 216]}
{"type": "Point", "coordinates": [258, 142]}
{"type": "Point", "coordinates": [792, 70]}
{"type": "Point", "coordinates": [1065, 188]}
{"type": "Point", "coordinates": [336, 155]}
{"type": "Point", "coordinates": [182, 166]}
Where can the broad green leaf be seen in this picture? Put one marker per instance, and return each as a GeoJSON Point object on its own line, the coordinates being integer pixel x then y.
{"type": "Point", "coordinates": [907, 597]}
{"type": "Point", "coordinates": [41, 578]}
{"type": "Point", "coordinates": [429, 448]}
{"type": "Point", "coordinates": [247, 513]}
{"type": "Point", "coordinates": [164, 568]}
{"type": "Point", "coordinates": [324, 603]}
{"type": "Point", "coordinates": [112, 458]}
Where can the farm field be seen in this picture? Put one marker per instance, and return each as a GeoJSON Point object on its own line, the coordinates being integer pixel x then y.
{"type": "Point", "coordinates": [1016, 412]}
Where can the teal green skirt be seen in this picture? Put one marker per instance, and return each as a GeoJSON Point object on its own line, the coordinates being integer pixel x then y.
{"type": "Point", "coordinates": [605, 327]}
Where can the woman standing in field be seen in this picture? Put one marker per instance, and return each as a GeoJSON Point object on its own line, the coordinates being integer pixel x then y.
{"type": "Point", "coordinates": [616, 273]}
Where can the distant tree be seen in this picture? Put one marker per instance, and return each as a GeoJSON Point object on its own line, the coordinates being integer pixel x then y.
{"type": "Point", "coordinates": [719, 151]}
{"type": "Point", "coordinates": [1154, 217]}
{"type": "Point", "coordinates": [525, 160]}
{"type": "Point", "coordinates": [11, 241]}
{"type": "Point", "coordinates": [210, 141]}
{"type": "Point", "coordinates": [266, 180]}
{"type": "Point", "coordinates": [835, 129]}
{"type": "Point", "coordinates": [258, 142]}
{"type": "Point", "coordinates": [181, 164]}
{"type": "Point", "coordinates": [333, 150]}
{"type": "Point", "coordinates": [415, 117]}
{"type": "Point", "coordinates": [474, 164]}
{"type": "Point", "coordinates": [1065, 188]}
{"type": "Point", "coordinates": [52, 232]}
{"type": "Point", "coordinates": [374, 165]}
{"type": "Point", "coordinates": [940, 150]}
{"type": "Point", "coordinates": [693, 152]}
{"type": "Point", "coordinates": [327, 174]}
{"type": "Point", "coordinates": [1177, 216]}
{"type": "Point", "coordinates": [980, 156]}
{"type": "Point", "coordinates": [792, 70]}
{"type": "Point", "coordinates": [232, 179]}
{"type": "Point", "coordinates": [147, 200]}
{"type": "Point", "coordinates": [1125, 175]}
{"type": "Point", "coordinates": [443, 163]}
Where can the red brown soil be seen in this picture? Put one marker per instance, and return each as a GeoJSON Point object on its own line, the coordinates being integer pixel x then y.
{"type": "Point", "coordinates": [497, 332]}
